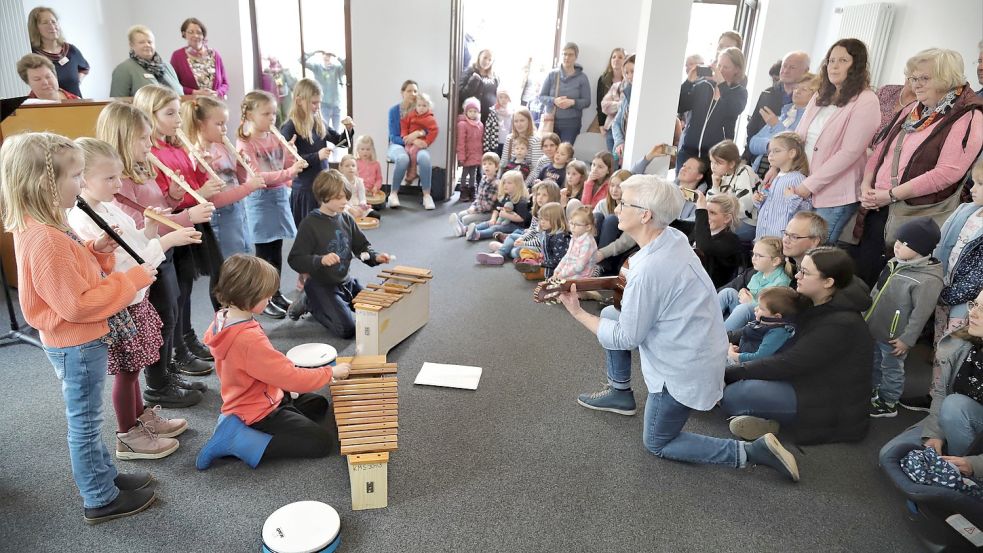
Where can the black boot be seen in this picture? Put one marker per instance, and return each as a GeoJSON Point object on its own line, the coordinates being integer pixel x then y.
{"type": "Point", "coordinates": [280, 301]}
{"type": "Point", "coordinates": [196, 348]}
{"type": "Point", "coordinates": [185, 362]}
{"type": "Point", "coordinates": [274, 312]}
{"type": "Point", "coordinates": [175, 378]}
{"type": "Point", "coordinates": [171, 396]}
{"type": "Point", "coordinates": [467, 194]}
{"type": "Point", "coordinates": [128, 502]}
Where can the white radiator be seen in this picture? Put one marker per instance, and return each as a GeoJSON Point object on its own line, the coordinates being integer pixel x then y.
{"type": "Point", "coordinates": [870, 23]}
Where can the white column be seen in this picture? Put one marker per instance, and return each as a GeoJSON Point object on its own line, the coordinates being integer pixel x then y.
{"type": "Point", "coordinates": [13, 45]}
{"type": "Point", "coordinates": [660, 53]}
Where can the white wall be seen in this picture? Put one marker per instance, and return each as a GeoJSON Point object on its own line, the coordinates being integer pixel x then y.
{"type": "Point", "coordinates": [954, 24]}
{"type": "Point", "coordinates": [384, 54]}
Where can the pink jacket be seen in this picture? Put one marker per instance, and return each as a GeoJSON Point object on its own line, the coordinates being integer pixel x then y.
{"type": "Point", "coordinates": [469, 136]}
{"type": "Point", "coordinates": [840, 153]}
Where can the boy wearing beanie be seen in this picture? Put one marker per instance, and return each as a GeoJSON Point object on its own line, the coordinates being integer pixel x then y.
{"type": "Point", "coordinates": [904, 297]}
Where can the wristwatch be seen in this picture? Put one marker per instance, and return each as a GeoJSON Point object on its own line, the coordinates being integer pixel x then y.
{"type": "Point", "coordinates": [890, 192]}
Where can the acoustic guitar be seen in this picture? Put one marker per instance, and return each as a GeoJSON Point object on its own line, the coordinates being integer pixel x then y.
{"type": "Point", "coordinates": [549, 290]}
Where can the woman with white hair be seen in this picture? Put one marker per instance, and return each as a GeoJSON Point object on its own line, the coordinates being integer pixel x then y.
{"type": "Point", "coordinates": [668, 294]}
{"type": "Point", "coordinates": [143, 67]}
{"type": "Point", "coordinates": [923, 157]}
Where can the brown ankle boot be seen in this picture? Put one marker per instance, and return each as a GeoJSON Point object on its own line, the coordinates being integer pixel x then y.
{"type": "Point", "coordinates": [141, 443]}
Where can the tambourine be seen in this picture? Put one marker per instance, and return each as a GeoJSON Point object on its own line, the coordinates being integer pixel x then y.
{"type": "Point", "coordinates": [302, 527]}
{"type": "Point", "coordinates": [367, 222]}
{"type": "Point", "coordinates": [377, 198]}
{"type": "Point", "coordinates": [312, 356]}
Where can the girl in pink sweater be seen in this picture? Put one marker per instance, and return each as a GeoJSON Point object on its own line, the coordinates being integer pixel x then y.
{"type": "Point", "coordinates": [579, 259]}
{"type": "Point", "coordinates": [369, 169]}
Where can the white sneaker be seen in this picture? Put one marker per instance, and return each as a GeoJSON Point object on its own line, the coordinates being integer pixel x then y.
{"type": "Point", "coordinates": [428, 202]}
{"type": "Point", "coordinates": [393, 200]}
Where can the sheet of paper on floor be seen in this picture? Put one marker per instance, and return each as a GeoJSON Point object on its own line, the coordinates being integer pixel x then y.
{"type": "Point", "coordinates": [449, 376]}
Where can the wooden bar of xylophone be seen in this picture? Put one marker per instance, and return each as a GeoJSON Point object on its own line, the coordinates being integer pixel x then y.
{"type": "Point", "coordinates": [388, 312]}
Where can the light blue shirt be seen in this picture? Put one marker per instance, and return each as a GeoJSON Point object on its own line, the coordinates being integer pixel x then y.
{"type": "Point", "coordinates": [669, 311]}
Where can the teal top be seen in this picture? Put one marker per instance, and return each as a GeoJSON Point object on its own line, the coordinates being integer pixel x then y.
{"type": "Point", "coordinates": [759, 282]}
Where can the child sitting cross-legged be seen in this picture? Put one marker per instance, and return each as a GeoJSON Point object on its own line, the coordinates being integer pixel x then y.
{"type": "Point", "coordinates": [259, 421]}
{"type": "Point", "coordinates": [578, 262]}
{"type": "Point", "coordinates": [511, 209]}
{"type": "Point", "coordinates": [507, 246]}
{"type": "Point", "coordinates": [327, 241]}
{"type": "Point", "coordinates": [772, 326]}
{"type": "Point", "coordinates": [484, 197]}
{"type": "Point", "coordinates": [544, 247]}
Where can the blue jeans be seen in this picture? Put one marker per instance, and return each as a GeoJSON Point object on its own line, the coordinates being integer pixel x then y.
{"type": "Point", "coordinates": [961, 419]}
{"type": "Point", "coordinates": [567, 129]}
{"type": "Point", "coordinates": [487, 230]}
{"type": "Point", "coordinates": [82, 371]}
{"type": "Point", "coordinates": [888, 374]}
{"type": "Point", "coordinates": [662, 434]}
{"type": "Point", "coordinates": [837, 218]}
{"type": "Point", "coordinates": [397, 154]}
{"type": "Point", "coordinates": [509, 248]}
{"type": "Point", "coordinates": [745, 232]}
{"type": "Point", "coordinates": [767, 399]}
{"type": "Point", "coordinates": [736, 314]}
{"type": "Point", "coordinates": [332, 116]}
{"type": "Point", "coordinates": [330, 305]}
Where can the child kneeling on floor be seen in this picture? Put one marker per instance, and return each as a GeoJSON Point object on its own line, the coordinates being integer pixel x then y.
{"type": "Point", "coordinates": [259, 421]}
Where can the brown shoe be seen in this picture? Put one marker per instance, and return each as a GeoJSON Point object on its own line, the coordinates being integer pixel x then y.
{"type": "Point", "coordinates": [164, 428]}
{"type": "Point", "coordinates": [140, 443]}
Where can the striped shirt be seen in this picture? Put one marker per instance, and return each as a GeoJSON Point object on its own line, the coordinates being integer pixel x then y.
{"type": "Point", "coordinates": [778, 208]}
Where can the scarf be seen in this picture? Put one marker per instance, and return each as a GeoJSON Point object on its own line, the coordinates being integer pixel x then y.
{"type": "Point", "coordinates": [918, 119]}
{"type": "Point", "coordinates": [154, 66]}
{"type": "Point", "coordinates": [121, 325]}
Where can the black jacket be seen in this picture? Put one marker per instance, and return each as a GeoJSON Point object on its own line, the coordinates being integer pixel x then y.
{"type": "Point", "coordinates": [710, 121]}
{"type": "Point", "coordinates": [828, 363]}
{"type": "Point", "coordinates": [720, 253]}
{"type": "Point", "coordinates": [774, 99]}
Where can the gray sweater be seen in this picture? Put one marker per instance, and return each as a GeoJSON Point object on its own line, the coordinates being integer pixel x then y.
{"type": "Point", "coordinates": [576, 87]}
{"type": "Point", "coordinates": [950, 353]}
{"type": "Point", "coordinates": [904, 298]}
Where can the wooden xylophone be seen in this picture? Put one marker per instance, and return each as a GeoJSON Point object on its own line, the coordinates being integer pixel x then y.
{"type": "Point", "coordinates": [366, 410]}
{"type": "Point", "coordinates": [388, 312]}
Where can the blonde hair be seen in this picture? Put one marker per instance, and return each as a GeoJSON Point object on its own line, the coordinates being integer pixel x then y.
{"type": "Point", "coordinates": [515, 177]}
{"type": "Point", "coordinates": [530, 128]}
{"type": "Point", "coordinates": [30, 166]}
{"type": "Point", "coordinates": [947, 67]}
{"type": "Point", "coordinates": [794, 142]}
{"type": "Point", "coordinates": [32, 26]}
{"type": "Point", "coordinates": [120, 124]}
{"type": "Point", "coordinates": [365, 140]}
{"type": "Point", "coordinates": [152, 98]}
{"type": "Point", "coordinates": [728, 206]}
{"type": "Point", "coordinates": [306, 124]}
{"type": "Point", "coordinates": [250, 103]}
{"type": "Point", "coordinates": [349, 157]}
{"type": "Point", "coordinates": [194, 112]}
{"type": "Point", "coordinates": [33, 61]}
{"type": "Point", "coordinates": [568, 148]}
{"type": "Point", "coordinates": [425, 98]}
{"type": "Point", "coordinates": [138, 29]}
{"type": "Point", "coordinates": [554, 213]}
{"type": "Point", "coordinates": [775, 249]}
{"type": "Point", "coordinates": [95, 151]}
{"type": "Point", "coordinates": [552, 194]}
{"type": "Point", "coordinates": [736, 57]}
{"type": "Point", "coordinates": [330, 184]}
{"type": "Point", "coordinates": [584, 215]}
{"type": "Point", "coordinates": [244, 281]}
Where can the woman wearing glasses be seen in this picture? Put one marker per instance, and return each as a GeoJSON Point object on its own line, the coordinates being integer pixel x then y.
{"type": "Point", "coordinates": [923, 157]}
{"type": "Point", "coordinates": [198, 67]}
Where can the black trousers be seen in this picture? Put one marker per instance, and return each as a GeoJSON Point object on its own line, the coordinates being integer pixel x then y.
{"type": "Point", "coordinates": [301, 428]}
{"type": "Point", "coordinates": [871, 253]}
{"type": "Point", "coordinates": [163, 295]}
{"type": "Point", "coordinates": [272, 253]}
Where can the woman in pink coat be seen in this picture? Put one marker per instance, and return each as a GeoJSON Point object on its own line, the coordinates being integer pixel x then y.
{"type": "Point", "coordinates": [837, 127]}
{"type": "Point", "coordinates": [470, 132]}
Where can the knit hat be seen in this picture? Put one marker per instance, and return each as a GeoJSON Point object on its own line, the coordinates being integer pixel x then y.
{"type": "Point", "coordinates": [472, 102]}
{"type": "Point", "coordinates": [921, 235]}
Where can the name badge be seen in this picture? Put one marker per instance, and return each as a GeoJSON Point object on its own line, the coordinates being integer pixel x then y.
{"type": "Point", "coordinates": [149, 76]}
{"type": "Point", "coordinates": [63, 60]}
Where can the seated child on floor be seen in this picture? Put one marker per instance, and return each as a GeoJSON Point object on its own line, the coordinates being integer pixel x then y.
{"type": "Point", "coordinates": [511, 209]}
{"type": "Point", "coordinates": [327, 241]}
{"type": "Point", "coordinates": [578, 262]}
{"type": "Point", "coordinates": [369, 169]}
{"type": "Point", "coordinates": [772, 326]}
{"type": "Point", "coordinates": [484, 197]}
{"type": "Point", "coordinates": [737, 299]}
{"type": "Point", "coordinates": [259, 420]}
{"type": "Point", "coordinates": [357, 204]}
{"type": "Point", "coordinates": [507, 245]}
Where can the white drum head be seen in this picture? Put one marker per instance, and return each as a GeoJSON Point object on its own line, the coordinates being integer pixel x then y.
{"type": "Point", "coordinates": [301, 527]}
{"type": "Point", "coordinates": [312, 356]}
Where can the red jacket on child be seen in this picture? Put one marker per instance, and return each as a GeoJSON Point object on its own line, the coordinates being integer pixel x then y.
{"type": "Point", "coordinates": [252, 373]}
{"type": "Point", "coordinates": [469, 141]}
{"type": "Point", "coordinates": [413, 121]}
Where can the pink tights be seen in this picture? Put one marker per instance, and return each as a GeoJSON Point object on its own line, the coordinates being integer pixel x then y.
{"type": "Point", "coordinates": [127, 400]}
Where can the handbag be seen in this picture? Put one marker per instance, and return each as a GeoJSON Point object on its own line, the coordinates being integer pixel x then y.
{"type": "Point", "coordinates": [549, 112]}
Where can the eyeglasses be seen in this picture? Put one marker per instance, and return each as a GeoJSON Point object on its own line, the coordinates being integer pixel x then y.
{"type": "Point", "coordinates": [795, 237]}
{"type": "Point", "coordinates": [622, 204]}
{"type": "Point", "coordinates": [578, 224]}
{"type": "Point", "coordinates": [918, 80]}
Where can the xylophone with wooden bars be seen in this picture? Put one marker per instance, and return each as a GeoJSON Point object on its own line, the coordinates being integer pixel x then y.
{"type": "Point", "coordinates": [366, 410]}
{"type": "Point", "coordinates": [388, 312]}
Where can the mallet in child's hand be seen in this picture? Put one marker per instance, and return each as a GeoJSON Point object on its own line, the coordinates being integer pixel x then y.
{"type": "Point", "coordinates": [147, 212]}
{"type": "Point", "coordinates": [365, 257]}
{"type": "Point", "coordinates": [177, 179]}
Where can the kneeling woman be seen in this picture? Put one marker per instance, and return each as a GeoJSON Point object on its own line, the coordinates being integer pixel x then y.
{"type": "Point", "coordinates": [259, 421]}
{"type": "Point", "coordinates": [819, 383]}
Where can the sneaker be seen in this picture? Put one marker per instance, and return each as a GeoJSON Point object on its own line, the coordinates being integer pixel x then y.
{"type": "Point", "coordinates": [133, 480]}
{"type": "Point", "coordinates": [768, 451]}
{"type": "Point", "coordinates": [196, 348]}
{"type": "Point", "coordinates": [183, 383]}
{"type": "Point", "coordinates": [165, 428]}
{"type": "Point", "coordinates": [621, 402]}
{"type": "Point", "coordinates": [457, 225]}
{"type": "Point", "coordinates": [298, 307]}
{"type": "Point", "coordinates": [882, 409]}
{"type": "Point", "coordinates": [747, 427]}
{"type": "Point", "coordinates": [393, 200]}
{"type": "Point", "coordinates": [472, 232]}
{"type": "Point", "coordinates": [917, 403]}
{"type": "Point", "coordinates": [489, 259]}
{"type": "Point", "coordinates": [128, 502]}
{"type": "Point", "coordinates": [140, 442]}
{"type": "Point", "coordinates": [280, 301]}
{"type": "Point", "coordinates": [171, 396]}
{"type": "Point", "coordinates": [191, 365]}
{"type": "Point", "coordinates": [428, 202]}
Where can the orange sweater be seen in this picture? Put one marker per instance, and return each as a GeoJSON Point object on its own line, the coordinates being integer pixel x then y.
{"type": "Point", "coordinates": [252, 373]}
{"type": "Point", "coordinates": [62, 292]}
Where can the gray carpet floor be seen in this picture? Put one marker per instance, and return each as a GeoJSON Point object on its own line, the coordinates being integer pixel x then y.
{"type": "Point", "coordinates": [515, 466]}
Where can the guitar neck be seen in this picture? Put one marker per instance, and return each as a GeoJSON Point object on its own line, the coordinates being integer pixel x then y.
{"type": "Point", "coordinates": [592, 284]}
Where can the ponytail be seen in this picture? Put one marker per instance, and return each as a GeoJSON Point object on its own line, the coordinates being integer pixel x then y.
{"type": "Point", "coordinates": [252, 101]}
